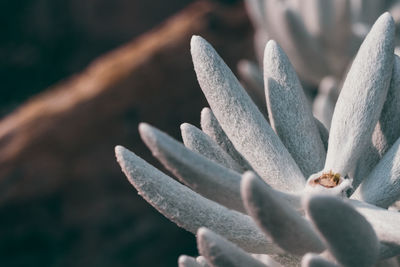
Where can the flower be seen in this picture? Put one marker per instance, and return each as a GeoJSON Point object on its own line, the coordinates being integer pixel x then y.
{"type": "Point", "coordinates": [272, 208]}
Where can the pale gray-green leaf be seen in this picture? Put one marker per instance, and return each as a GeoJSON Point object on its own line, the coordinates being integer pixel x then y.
{"type": "Point", "coordinates": [198, 141]}
{"type": "Point", "coordinates": [219, 252]}
{"type": "Point", "coordinates": [284, 225]}
{"type": "Point", "coordinates": [361, 99]}
{"type": "Point", "coordinates": [241, 120]}
{"type": "Point", "coordinates": [204, 176]}
{"type": "Point", "coordinates": [349, 236]}
{"type": "Point", "coordinates": [188, 209]}
{"type": "Point", "coordinates": [290, 113]}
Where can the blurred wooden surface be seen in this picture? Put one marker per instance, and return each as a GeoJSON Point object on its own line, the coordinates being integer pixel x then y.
{"type": "Point", "coordinates": [63, 199]}
{"type": "Point", "coordinates": [44, 41]}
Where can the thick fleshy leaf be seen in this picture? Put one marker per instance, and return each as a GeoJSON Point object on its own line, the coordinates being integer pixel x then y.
{"type": "Point", "coordinates": [221, 253]}
{"type": "Point", "coordinates": [211, 127]}
{"type": "Point", "coordinates": [382, 186]}
{"type": "Point", "coordinates": [186, 261]}
{"type": "Point", "coordinates": [206, 177]}
{"type": "Point", "coordinates": [361, 99]}
{"type": "Point", "coordinates": [386, 132]}
{"type": "Point", "coordinates": [290, 199]}
{"type": "Point", "coordinates": [284, 225]}
{"type": "Point", "coordinates": [188, 209]}
{"type": "Point", "coordinates": [314, 260]}
{"type": "Point", "coordinates": [349, 236]}
{"type": "Point", "coordinates": [242, 122]}
{"type": "Point", "coordinates": [290, 113]}
{"type": "Point", "coordinates": [198, 141]}
{"type": "Point", "coordinates": [385, 224]}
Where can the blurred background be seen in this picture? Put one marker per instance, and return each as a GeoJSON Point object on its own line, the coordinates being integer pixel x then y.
{"type": "Point", "coordinates": [77, 78]}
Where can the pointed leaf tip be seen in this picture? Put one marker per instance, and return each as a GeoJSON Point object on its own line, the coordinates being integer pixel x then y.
{"type": "Point", "coordinates": [271, 45]}
{"type": "Point", "coordinates": [196, 44]}
{"type": "Point", "coordinates": [196, 166]}
{"type": "Point", "coordinates": [184, 126]}
{"type": "Point", "coordinates": [144, 129]}
{"type": "Point", "coordinates": [212, 128]}
{"type": "Point", "coordinates": [290, 112]}
{"type": "Point", "coordinates": [362, 97]}
{"type": "Point", "coordinates": [221, 253]}
{"type": "Point", "coordinates": [199, 142]}
{"type": "Point", "coordinates": [118, 150]}
{"type": "Point", "coordinates": [242, 121]}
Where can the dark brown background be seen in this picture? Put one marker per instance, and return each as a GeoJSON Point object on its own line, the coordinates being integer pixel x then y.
{"type": "Point", "coordinates": [63, 199]}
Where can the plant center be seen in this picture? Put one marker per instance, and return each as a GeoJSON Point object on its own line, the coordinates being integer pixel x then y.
{"type": "Point", "coordinates": [328, 180]}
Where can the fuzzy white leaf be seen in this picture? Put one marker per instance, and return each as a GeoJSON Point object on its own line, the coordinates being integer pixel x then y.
{"type": "Point", "coordinates": [382, 186]}
{"type": "Point", "coordinates": [221, 253]}
{"type": "Point", "coordinates": [386, 132]}
{"type": "Point", "coordinates": [201, 174]}
{"type": "Point", "coordinates": [188, 209]}
{"type": "Point", "coordinates": [349, 236]}
{"type": "Point", "coordinates": [284, 225]}
{"type": "Point", "coordinates": [385, 224]}
{"type": "Point", "coordinates": [361, 99]}
{"type": "Point", "coordinates": [242, 122]}
{"type": "Point", "coordinates": [290, 113]}
{"type": "Point", "coordinates": [211, 127]}
{"type": "Point", "coordinates": [198, 141]}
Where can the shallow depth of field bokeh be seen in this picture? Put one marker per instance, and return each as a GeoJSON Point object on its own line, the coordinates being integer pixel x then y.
{"type": "Point", "coordinates": [77, 78]}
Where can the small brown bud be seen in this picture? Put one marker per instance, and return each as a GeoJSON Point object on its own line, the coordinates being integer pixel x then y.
{"type": "Point", "coordinates": [328, 180]}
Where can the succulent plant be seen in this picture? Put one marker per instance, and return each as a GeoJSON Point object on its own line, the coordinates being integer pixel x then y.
{"type": "Point", "coordinates": [320, 37]}
{"type": "Point", "coordinates": [282, 189]}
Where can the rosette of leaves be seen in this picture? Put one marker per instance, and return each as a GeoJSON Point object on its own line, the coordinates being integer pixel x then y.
{"type": "Point", "coordinates": [281, 193]}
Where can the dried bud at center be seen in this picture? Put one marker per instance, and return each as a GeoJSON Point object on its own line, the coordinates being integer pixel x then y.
{"type": "Point", "coordinates": [328, 183]}
{"type": "Point", "coordinates": [328, 180]}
